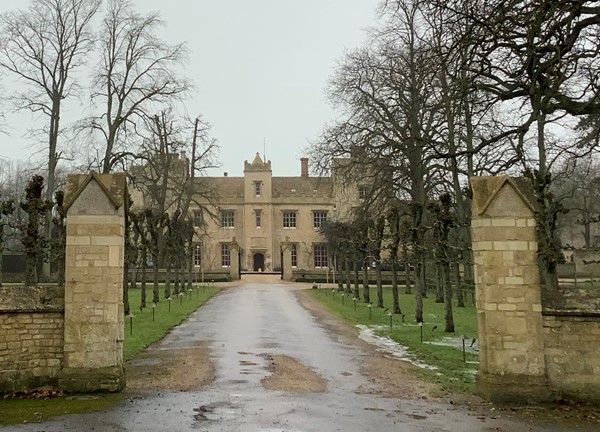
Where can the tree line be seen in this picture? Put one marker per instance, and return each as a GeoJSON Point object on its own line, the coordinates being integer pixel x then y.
{"type": "Point", "coordinates": [446, 90]}
{"type": "Point", "coordinates": [135, 93]}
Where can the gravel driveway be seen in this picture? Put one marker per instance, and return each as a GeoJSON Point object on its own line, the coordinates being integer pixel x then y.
{"type": "Point", "coordinates": [263, 357]}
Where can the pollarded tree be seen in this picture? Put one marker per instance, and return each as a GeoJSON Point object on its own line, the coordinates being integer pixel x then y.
{"type": "Point", "coordinates": [59, 240]}
{"type": "Point", "coordinates": [340, 245]}
{"type": "Point", "coordinates": [442, 221]}
{"type": "Point", "coordinates": [35, 207]}
{"type": "Point", "coordinates": [141, 240]}
{"type": "Point", "coordinates": [155, 224]}
{"type": "Point", "coordinates": [7, 207]}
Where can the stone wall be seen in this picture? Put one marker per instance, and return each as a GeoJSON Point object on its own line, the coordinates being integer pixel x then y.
{"type": "Point", "coordinates": [31, 337]}
{"type": "Point", "coordinates": [571, 320]}
{"type": "Point", "coordinates": [535, 345]}
{"type": "Point", "coordinates": [71, 338]}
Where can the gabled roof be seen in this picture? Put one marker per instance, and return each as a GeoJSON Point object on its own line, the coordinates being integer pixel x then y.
{"type": "Point", "coordinates": [283, 186]}
{"type": "Point", "coordinates": [489, 187]}
{"type": "Point", "coordinates": [257, 160]}
{"type": "Point", "coordinates": [114, 187]}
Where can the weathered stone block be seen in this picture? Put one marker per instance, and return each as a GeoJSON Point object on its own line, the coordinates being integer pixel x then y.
{"type": "Point", "coordinates": [85, 380]}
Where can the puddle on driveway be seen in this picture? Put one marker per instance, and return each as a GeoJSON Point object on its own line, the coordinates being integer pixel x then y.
{"type": "Point", "coordinates": [217, 411]}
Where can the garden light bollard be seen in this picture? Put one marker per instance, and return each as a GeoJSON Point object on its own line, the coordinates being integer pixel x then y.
{"type": "Point", "coordinates": [169, 300]}
{"type": "Point", "coordinates": [333, 293]}
{"type": "Point", "coordinates": [391, 317]}
{"type": "Point", "coordinates": [354, 300]}
{"type": "Point", "coordinates": [421, 329]}
{"type": "Point", "coordinates": [190, 290]}
{"type": "Point", "coordinates": [153, 309]}
{"type": "Point", "coordinates": [343, 296]}
{"type": "Point", "coordinates": [370, 306]}
{"type": "Point", "coordinates": [464, 350]}
{"type": "Point", "coordinates": [131, 324]}
{"type": "Point", "coordinates": [180, 298]}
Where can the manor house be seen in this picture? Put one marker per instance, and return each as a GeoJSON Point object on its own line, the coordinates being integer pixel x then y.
{"type": "Point", "coordinates": [258, 213]}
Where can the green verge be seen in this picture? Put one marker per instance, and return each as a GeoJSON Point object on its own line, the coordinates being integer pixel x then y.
{"type": "Point", "coordinates": [145, 332]}
{"type": "Point", "coordinates": [452, 373]}
{"type": "Point", "coordinates": [14, 411]}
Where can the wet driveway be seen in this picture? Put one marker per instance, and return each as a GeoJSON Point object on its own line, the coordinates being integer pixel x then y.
{"type": "Point", "coordinates": [247, 326]}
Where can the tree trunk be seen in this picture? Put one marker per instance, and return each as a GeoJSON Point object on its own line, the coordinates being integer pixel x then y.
{"type": "Point", "coordinates": [31, 271]}
{"type": "Point", "coordinates": [168, 281]}
{"type": "Point", "coordinates": [449, 316]}
{"type": "Point", "coordinates": [379, 284]}
{"type": "Point", "coordinates": [459, 290]}
{"type": "Point", "coordinates": [190, 265]}
{"type": "Point", "coordinates": [356, 286]}
{"type": "Point", "coordinates": [439, 283]}
{"type": "Point", "coordinates": [348, 277]}
{"type": "Point", "coordinates": [144, 276]}
{"type": "Point", "coordinates": [366, 291]}
{"type": "Point", "coordinates": [125, 288]}
{"type": "Point", "coordinates": [133, 281]}
{"type": "Point", "coordinates": [396, 302]}
{"type": "Point", "coordinates": [155, 294]}
{"type": "Point", "coordinates": [407, 283]}
{"type": "Point", "coordinates": [420, 288]}
{"type": "Point", "coordinates": [338, 271]}
{"type": "Point", "coordinates": [177, 285]}
{"type": "Point", "coordinates": [587, 234]}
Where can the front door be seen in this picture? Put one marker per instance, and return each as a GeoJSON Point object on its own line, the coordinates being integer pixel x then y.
{"type": "Point", "coordinates": [259, 262]}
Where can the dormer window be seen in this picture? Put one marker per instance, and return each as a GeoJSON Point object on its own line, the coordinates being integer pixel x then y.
{"type": "Point", "coordinates": [362, 192]}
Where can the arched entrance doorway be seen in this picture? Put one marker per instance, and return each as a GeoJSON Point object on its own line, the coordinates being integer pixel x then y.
{"type": "Point", "coordinates": [259, 262]}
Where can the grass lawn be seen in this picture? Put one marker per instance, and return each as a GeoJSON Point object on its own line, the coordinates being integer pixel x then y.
{"type": "Point", "coordinates": [452, 372]}
{"type": "Point", "coordinates": [145, 332]}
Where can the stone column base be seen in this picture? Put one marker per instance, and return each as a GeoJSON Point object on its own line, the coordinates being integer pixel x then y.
{"type": "Point", "coordinates": [90, 380]}
{"type": "Point", "coordinates": [513, 388]}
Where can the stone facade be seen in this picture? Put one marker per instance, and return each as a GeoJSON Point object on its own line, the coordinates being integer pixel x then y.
{"type": "Point", "coordinates": [534, 345]}
{"type": "Point", "coordinates": [259, 213]}
{"type": "Point", "coordinates": [31, 337]}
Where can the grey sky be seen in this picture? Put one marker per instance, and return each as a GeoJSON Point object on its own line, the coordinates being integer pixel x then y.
{"type": "Point", "coordinates": [260, 67]}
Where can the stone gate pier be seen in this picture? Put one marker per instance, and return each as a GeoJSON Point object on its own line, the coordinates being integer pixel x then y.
{"type": "Point", "coordinates": [94, 314]}
{"type": "Point", "coordinates": [535, 345]}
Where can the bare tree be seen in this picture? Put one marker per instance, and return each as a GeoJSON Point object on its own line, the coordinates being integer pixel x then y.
{"type": "Point", "coordinates": [391, 119]}
{"type": "Point", "coordinates": [137, 71]}
{"type": "Point", "coordinates": [172, 154]}
{"type": "Point", "coordinates": [537, 60]}
{"type": "Point", "coordinates": [42, 46]}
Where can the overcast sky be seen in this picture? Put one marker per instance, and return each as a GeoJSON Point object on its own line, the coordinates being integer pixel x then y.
{"type": "Point", "coordinates": [260, 67]}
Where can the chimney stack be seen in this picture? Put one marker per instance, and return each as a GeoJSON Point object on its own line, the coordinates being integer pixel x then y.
{"type": "Point", "coordinates": [304, 167]}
